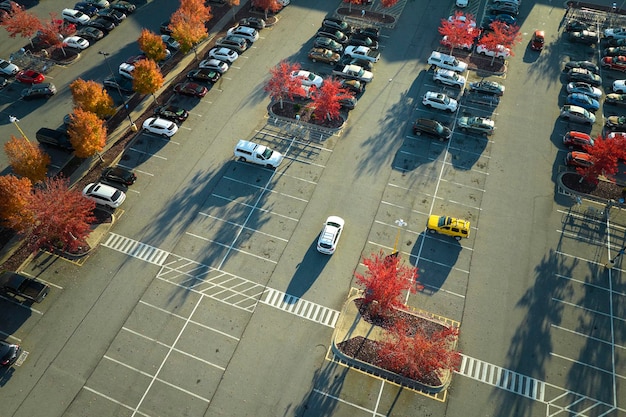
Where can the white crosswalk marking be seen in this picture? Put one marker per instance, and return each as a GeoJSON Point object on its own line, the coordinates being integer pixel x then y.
{"type": "Point", "coordinates": [300, 307]}
{"type": "Point", "coordinates": [502, 378]}
{"type": "Point", "coordinates": [136, 249]}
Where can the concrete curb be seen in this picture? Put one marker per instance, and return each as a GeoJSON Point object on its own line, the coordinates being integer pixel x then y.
{"type": "Point", "coordinates": [351, 325]}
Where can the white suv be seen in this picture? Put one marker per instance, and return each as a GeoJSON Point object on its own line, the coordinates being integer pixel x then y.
{"type": "Point", "coordinates": [104, 194]}
{"type": "Point", "coordinates": [500, 52]}
{"type": "Point", "coordinates": [75, 16]}
{"type": "Point", "coordinates": [327, 242]}
{"type": "Point", "coordinates": [448, 77]}
{"type": "Point", "coordinates": [439, 101]}
{"type": "Point", "coordinates": [248, 33]}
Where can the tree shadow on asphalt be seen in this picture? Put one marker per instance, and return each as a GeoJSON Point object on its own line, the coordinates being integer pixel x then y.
{"type": "Point", "coordinates": [434, 257]}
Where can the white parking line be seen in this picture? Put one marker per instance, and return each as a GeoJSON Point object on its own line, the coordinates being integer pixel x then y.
{"type": "Point", "coordinates": [254, 207]}
{"type": "Point", "coordinates": [335, 398]}
{"type": "Point", "coordinates": [481, 154]}
{"type": "Point", "coordinates": [589, 284]}
{"type": "Point", "coordinates": [577, 362]}
{"type": "Point", "coordinates": [148, 153]}
{"type": "Point", "coordinates": [8, 336]}
{"type": "Point", "coordinates": [463, 185]}
{"type": "Point", "coordinates": [113, 400]}
{"type": "Point", "coordinates": [51, 284]}
{"type": "Point", "coordinates": [158, 342]}
{"type": "Point", "coordinates": [263, 188]}
{"type": "Point", "coordinates": [12, 301]}
{"type": "Point", "coordinates": [586, 336]}
{"type": "Point", "coordinates": [245, 227]}
{"type": "Point", "coordinates": [230, 247]}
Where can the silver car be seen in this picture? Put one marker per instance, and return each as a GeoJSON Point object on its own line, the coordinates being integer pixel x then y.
{"type": "Point", "coordinates": [577, 114]}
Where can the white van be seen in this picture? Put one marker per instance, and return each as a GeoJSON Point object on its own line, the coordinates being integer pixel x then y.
{"type": "Point", "coordinates": [446, 62]}
{"type": "Point", "coordinates": [126, 70]}
{"type": "Point", "coordinates": [247, 151]}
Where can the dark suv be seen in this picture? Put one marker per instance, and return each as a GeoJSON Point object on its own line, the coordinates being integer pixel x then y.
{"type": "Point", "coordinates": [45, 90]}
{"type": "Point", "coordinates": [431, 127]}
{"type": "Point", "coordinates": [54, 137]}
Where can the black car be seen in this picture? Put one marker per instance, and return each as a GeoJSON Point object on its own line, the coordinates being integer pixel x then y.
{"type": "Point", "coordinates": [487, 87]}
{"type": "Point", "coordinates": [577, 26]}
{"type": "Point", "coordinates": [355, 86]}
{"type": "Point", "coordinates": [504, 8]}
{"type": "Point", "coordinates": [124, 84]}
{"type": "Point", "coordinates": [431, 127]}
{"type": "Point", "coordinates": [327, 43]}
{"type": "Point", "coordinates": [90, 33]}
{"type": "Point", "coordinates": [119, 174]}
{"type": "Point", "coordinates": [54, 137]}
{"type": "Point", "coordinates": [337, 24]}
{"type": "Point", "coordinates": [173, 113]}
{"type": "Point", "coordinates": [165, 28]}
{"type": "Point", "coordinates": [101, 23]}
{"type": "Point", "coordinates": [366, 65]}
{"type": "Point", "coordinates": [348, 103]}
{"type": "Point", "coordinates": [585, 76]}
{"type": "Point", "coordinates": [9, 353]}
{"type": "Point", "coordinates": [614, 51]}
{"type": "Point", "coordinates": [336, 35]}
{"type": "Point", "coordinates": [3, 82]}
{"type": "Point", "coordinates": [361, 40]}
{"type": "Point", "coordinates": [370, 32]}
{"type": "Point", "coordinates": [253, 22]}
{"type": "Point", "coordinates": [113, 15]}
{"type": "Point", "coordinates": [205, 75]}
{"type": "Point", "coordinates": [589, 66]}
{"type": "Point", "coordinates": [43, 90]}
{"type": "Point", "coordinates": [616, 42]}
{"type": "Point", "coordinates": [123, 6]}
{"type": "Point", "coordinates": [86, 8]}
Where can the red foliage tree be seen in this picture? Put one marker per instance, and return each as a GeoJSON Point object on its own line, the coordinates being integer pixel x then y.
{"type": "Point", "coordinates": [387, 4]}
{"type": "Point", "coordinates": [500, 35]}
{"type": "Point", "coordinates": [385, 280]}
{"type": "Point", "coordinates": [21, 22]}
{"type": "Point", "coordinates": [351, 2]}
{"type": "Point", "coordinates": [326, 100]}
{"type": "Point", "coordinates": [267, 5]}
{"type": "Point", "coordinates": [50, 32]}
{"type": "Point", "coordinates": [458, 31]}
{"type": "Point", "coordinates": [61, 216]}
{"type": "Point", "coordinates": [282, 85]}
{"type": "Point", "coordinates": [605, 155]}
{"type": "Point", "coordinates": [420, 352]}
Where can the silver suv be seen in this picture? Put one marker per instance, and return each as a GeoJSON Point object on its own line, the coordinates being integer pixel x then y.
{"type": "Point", "coordinates": [233, 42]}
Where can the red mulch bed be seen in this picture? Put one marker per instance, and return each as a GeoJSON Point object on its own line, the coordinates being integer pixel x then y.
{"type": "Point", "coordinates": [290, 110]}
{"type": "Point", "coordinates": [366, 350]}
{"type": "Point", "coordinates": [603, 189]}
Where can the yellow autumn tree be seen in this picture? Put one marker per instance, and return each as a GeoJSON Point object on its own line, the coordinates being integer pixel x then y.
{"type": "Point", "coordinates": [152, 45]}
{"type": "Point", "coordinates": [188, 23]}
{"type": "Point", "coordinates": [27, 159]}
{"type": "Point", "coordinates": [14, 195]}
{"type": "Point", "coordinates": [87, 132]}
{"type": "Point", "coordinates": [147, 77]}
{"type": "Point", "coordinates": [92, 97]}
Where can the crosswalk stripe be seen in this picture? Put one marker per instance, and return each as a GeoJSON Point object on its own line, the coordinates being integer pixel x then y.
{"type": "Point", "coordinates": [136, 249]}
{"type": "Point", "coordinates": [302, 308]}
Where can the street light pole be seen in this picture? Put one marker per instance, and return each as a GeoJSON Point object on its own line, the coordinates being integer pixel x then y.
{"type": "Point", "coordinates": [14, 120]}
{"type": "Point", "coordinates": [133, 127]}
{"type": "Point", "coordinates": [400, 223]}
{"type": "Point", "coordinates": [611, 263]}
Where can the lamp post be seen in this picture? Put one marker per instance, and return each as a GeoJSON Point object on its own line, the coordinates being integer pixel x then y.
{"type": "Point", "coordinates": [611, 263]}
{"type": "Point", "coordinates": [14, 120]}
{"type": "Point", "coordinates": [400, 223]}
{"type": "Point", "coordinates": [133, 126]}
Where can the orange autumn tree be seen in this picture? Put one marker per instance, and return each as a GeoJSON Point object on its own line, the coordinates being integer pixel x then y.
{"type": "Point", "coordinates": [419, 352]}
{"type": "Point", "coordinates": [326, 99]}
{"type": "Point", "coordinates": [385, 281]}
{"type": "Point", "coordinates": [147, 77]}
{"type": "Point", "coordinates": [281, 85]}
{"type": "Point", "coordinates": [27, 159]}
{"type": "Point", "coordinates": [21, 22]}
{"type": "Point", "coordinates": [152, 45]}
{"type": "Point", "coordinates": [87, 132]}
{"type": "Point", "coordinates": [267, 5]}
{"type": "Point", "coordinates": [92, 96]}
{"type": "Point", "coordinates": [14, 193]}
{"type": "Point", "coordinates": [188, 23]}
{"type": "Point", "coordinates": [61, 216]}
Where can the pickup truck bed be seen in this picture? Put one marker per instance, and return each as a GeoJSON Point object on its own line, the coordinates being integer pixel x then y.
{"type": "Point", "coordinates": [23, 286]}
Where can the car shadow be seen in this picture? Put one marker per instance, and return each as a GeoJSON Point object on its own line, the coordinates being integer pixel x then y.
{"type": "Point", "coordinates": [307, 271]}
{"type": "Point", "coordinates": [434, 256]}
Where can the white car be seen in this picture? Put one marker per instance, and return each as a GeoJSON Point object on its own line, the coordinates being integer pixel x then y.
{"type": "Point", "coordinates": [223, 54]}
{"type": "Point", "coordinates": [248, 33]}
{"type": "Point", "coordinates": [308, 78]}
{"type": "Point", "coordinates": [448, 77]}
{"type": "Point", "coordinates": [584, 88]}
{"type": "Point", "coordinates": [500, 52]}
{"type": "Point", "coordinates": [439, 101]}
{"type": "Point", "coordinates": [462, 3]}
{"type": "Point", "coordinates": [615, 33]}
{"type": "Point", "coordinates": [577, 114]}
{"type": "Point", "coordinates": [104, 194]}
{"type": "Point", "coordinates": [215, 65]}
{"type": "Point", "coordinates": [76, 42]}
{"type": "Point", "coordinates": [619, 86]}
{"type": "Point", "coordinates": [75, 16]}
{"type": "Point", "coordinates": [162, 127]}
{"type": "Point", "coordinates": [329, 238]}
{"type": "Point", "coordinates": [463, 19]}
{"type": "Point", "coordinates": [7, 68]}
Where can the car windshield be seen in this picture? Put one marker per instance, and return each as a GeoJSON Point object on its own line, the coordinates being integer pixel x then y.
{"type": "Point", "coordinates": [267, 153]}
{"type": "Point", "coordinates": [116, 195]}
{"type": "Point", "coordinates": [442, 221]}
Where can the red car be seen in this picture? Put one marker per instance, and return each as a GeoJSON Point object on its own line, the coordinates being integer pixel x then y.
{"type": "Point", "coordinates": [577, 140]}
{"type": "Point", "coordinates": [537, 41]}
{"type": "Point", "coordinates": [190, 89]}
{"type": "Point", "coordinates": [30, 77]}
{"type": "Point", "coordinates": [614, 62]}
{"type": "Point", "coordinates": [578, 159]}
